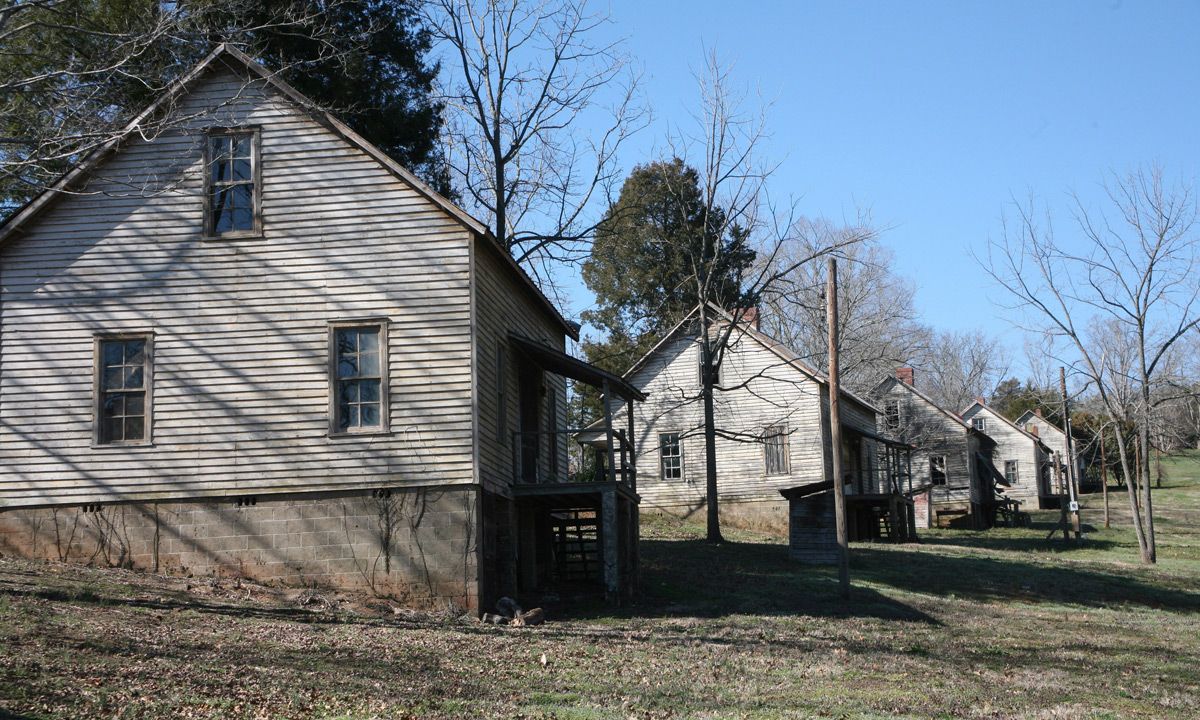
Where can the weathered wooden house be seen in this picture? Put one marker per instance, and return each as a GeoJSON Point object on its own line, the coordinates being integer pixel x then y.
{"type": "Point", "coordinates": [772, 419]}
{"type": "Point", "coordinates": [1020, 457]}
{"type": "Point", "coordinates": [252, 344]}
{"type": "Point", "coordinates": [952, 458]}
{"type": "Point", "coordinates": [1052, 436]}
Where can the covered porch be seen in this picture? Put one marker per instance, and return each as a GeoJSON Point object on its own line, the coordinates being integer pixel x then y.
{"type": "Point", "coordinates": [576, 512]}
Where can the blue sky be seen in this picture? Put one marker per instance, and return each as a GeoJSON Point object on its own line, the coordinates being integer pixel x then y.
{"type": "Point", "coordinates": [934, 115]}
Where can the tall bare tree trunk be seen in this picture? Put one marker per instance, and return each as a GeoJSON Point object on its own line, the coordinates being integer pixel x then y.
{"type": "Point", "coordinates": [1131, 490]}
{"type": "Point", "coordinates": [710, 431]}
{"type": "Point", "coordinates": [1104, 476]}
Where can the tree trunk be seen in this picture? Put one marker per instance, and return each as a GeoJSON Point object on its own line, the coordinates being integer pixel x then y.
{"type": "Point", "coordinates": [1104, 476]}
{"type": "Point", "coordinates": [1131, 490]}
{"type": "Point", "coordinates": [1149, 551]}
{"type": "Point", "coordinates": [710, 432]}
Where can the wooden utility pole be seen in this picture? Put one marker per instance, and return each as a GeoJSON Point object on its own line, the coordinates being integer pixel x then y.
{"type": "Point", "coordinates": [1104, 476]}
{"type": "Point", "coordinates": [1072, 486]}
{"type": "Point", "coordinates": [835, 432]}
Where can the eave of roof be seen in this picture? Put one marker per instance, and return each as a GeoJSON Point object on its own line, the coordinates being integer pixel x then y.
{"type": "Point", "coordinates": [928, 400]}
{"type": "Point", "coordinates": [225, 51]}
{"type": "Point", "coordinates": [789, 356]}
{"type": "Point", "coordinates": [1003, 419]}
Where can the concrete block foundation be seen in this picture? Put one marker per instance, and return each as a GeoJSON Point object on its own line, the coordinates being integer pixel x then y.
{"type": "Point", "coordinates": [417, 546]}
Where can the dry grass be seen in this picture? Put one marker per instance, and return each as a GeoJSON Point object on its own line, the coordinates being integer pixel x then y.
{"type": "Point", "coordinates": [999, 624]}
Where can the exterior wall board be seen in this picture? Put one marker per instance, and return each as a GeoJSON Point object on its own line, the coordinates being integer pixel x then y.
{"type": "Point", "coordinates": [1012, 444]}
{"type": "Point", "coordinates": [764, 390]}
{"type": "Point", "coordinates": [241, 386]}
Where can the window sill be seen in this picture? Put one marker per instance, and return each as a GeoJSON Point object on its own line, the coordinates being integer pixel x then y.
{"type": "Point", "coordinates": [361, 434]}
{"type": "Point", "coordinates": [258, 235]}
{"type": "Point", "coordinates": [121, 446]}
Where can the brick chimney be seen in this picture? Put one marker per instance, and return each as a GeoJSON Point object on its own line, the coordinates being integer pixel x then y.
{"type": "Point", "coordinates": [1038, 412]}
{"type": "Point", "coordinates": [981, 401]}
{"type": "Point", "coordinates": [905, 375]}
{"type": "Point", "coordinates": [750, 317]}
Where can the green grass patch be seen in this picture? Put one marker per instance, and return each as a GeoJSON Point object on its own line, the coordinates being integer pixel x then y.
{"type": "Point", "coordinates": [1003, 623]}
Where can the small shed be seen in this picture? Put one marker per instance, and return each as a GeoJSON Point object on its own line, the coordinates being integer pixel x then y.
{"type": "Point", "coordinates": [870, 517]}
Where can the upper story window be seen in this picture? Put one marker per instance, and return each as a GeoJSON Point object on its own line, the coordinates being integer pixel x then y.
{"type": "Point", "coordinates": [980, 424]}
{"type": "Point", "coordinates": [359, 397]}
{"type": "Point", "coordinates": [937, 470]}
{"type": "Point", "coordinates": [716, 367]}
{"type": "Point", "coordinates": [671, 456]}
{"type": "Point", "coordinates": [891, 414]}
{"type": "Point", "coordinates": [232, 184]}
{"type": "Point", "coordinates": [775, 443]}
{"type": "Point", "coordinates": [123, 384]}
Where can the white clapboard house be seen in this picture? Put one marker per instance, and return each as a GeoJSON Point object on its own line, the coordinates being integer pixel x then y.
{"type": "Point", "coordinates": [1020, 456]}
{"type": "Point", "coordinates": [1052, 436]}
{"type": "Point", "coordinates": [952, 457]}
{"type": "Point", "coordinates": [250, 343]}
{"type": "Point", "coordinates": [772, 421]}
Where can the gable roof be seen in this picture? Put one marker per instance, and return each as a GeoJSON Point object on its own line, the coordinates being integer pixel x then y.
{"type": "Point", "coordinates": [928, 400]}
{"type": "Point", "coordinates": [790, 357]}
{"type": "Point", "coordinates": [228, 53]}
{"type": "Point", "coordinates": [1003, 419]}
{"type": "Point", "coordinates": [1029, 415]}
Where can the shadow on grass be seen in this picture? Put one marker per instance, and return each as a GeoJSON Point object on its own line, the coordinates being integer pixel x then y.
{"type": "Point", "coordinates": [1031, 539]}
{"type": "Point", "coordinates": [990, 578]}
{"type": "Point", "coordinates": [698, 579]}
{"type": "Point", "coordinates": [693, 578]}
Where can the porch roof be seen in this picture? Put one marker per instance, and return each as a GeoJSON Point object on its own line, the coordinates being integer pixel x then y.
{"type": "Point", "coordinates": [563, 364]}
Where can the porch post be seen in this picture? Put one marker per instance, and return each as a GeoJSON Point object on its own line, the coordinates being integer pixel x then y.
{"type": "Point", "coordinates": [608, 432]}
{"type": "Point", "coordinates": [610, 530]}
{"type": "Point", "coordinates": [632, 448]}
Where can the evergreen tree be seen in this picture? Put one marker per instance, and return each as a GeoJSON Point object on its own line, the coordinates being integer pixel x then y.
{"type": "Point", "coordinates": [649, 249]}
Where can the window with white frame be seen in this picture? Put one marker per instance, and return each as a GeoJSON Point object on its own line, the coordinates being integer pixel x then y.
{"type": "Point", "coordinates": [358, 377]}
{"type": "Point", "coordinates": [123, 389]}
{"type": "Point", "coordinates": [670, 456]}
{"type": "Point", "coordinates": [1011, 471]}
{"type": "Point", "coordinates": [937, 470]}
{"type": "Point", "coordinates": [775, 450]}
{"type": "Point", "coordinates": [980, 424]}
{"type": "Point", "coordinates": [232, 185]}
{"type": "Point", "coordinates": [891, 414]}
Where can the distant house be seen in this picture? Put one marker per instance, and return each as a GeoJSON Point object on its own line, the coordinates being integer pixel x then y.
{"type": "Point", "coordinates": [254, 345]}
{"type": "Point", "coordinates": [952, 456]}
{"type": "Point", "coordinates": [1052, 436]}
{"type": "Point", "coordinates": [1020, 456]}
{"type": "Point", "coordinates": [772, 420]}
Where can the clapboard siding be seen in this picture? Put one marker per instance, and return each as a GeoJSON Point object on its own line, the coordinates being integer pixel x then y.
{"type": "Point", "coordinates": [1052, 437]}
{"type": "Point", "coordinates": [933, 431]}
{"type": "Point", "coordinates": [240, 385]}
{"type": "Point", "coordinates": [765, 390]}
{"type": "Point", "coordinates": [502, 306]}
{"type": "Point", "coordinates": [1011, 444]}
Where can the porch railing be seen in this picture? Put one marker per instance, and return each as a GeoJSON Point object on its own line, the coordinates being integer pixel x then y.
{"type": "Point", "coordinates": [563, 456]}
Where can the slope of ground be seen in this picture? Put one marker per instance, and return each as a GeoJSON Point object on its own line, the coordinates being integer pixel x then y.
{"type": "Point", "coordinates": [998, 624]}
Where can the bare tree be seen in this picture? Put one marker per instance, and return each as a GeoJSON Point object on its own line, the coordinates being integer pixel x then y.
{"type": "Point", "coordinates": [521, 79]}
{"type": "Point", "coordinates": [1121, 296]}
{"type": "Point", "coordinates": [959, 367]}
{"type": "Point", "coordinates": [878, 330]}
{"type": "Point", "coordinates": [726, 148]}
{"type": "Point", "coordinates": [73, 74]}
